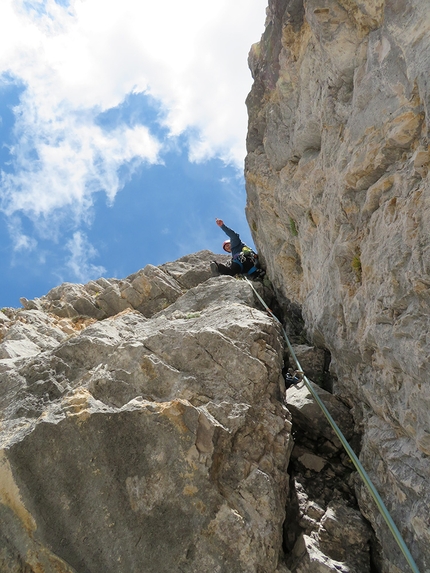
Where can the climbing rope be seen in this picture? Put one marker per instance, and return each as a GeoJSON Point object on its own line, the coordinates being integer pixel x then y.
{"type": "Point", "coordinates": [354, 459]}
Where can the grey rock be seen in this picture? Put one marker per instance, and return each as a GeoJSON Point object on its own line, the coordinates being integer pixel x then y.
{"type": "Point", "coordinates": [149, 290]}
{"type": "Point", "coordinates": [144, 442]}
{"type": "Point", "coordinates": [8, 312]}
{"type": "Point", "coordinates": [310, 559]}
{"type": "Point", "coordinates": [216, 292]}
{"type": "Point", "coordinates": [191, 270]}
{"type": "Point", "coordinates": [311, 359]}
{"type": "Point", "coordinates": [312, 462]}
{"type": "Point", "coordinates": [29, 333]}
{"type": "Point", "coordinates": [29, 304]}
{"type": "Point", "coordinates": [338, 204]}
{"type": "Point", "coordinates": [310, 418]}
{"type": "Point", "coordinates": [346, 527]}
{"type": "Point", "coordinates": [111, 302]}
{"type": "Point", "coordinates": [156, 290]}
{"type": "Point", "coordinates": [3, 318]}
{"type": "Point", "coordinates": [15, 348]}
{"type": "Point", "coordinates": [321, 509]}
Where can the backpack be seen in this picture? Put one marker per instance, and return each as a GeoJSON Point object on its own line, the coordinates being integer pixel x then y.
{"type": "Point", "coordinates": [248, 260]}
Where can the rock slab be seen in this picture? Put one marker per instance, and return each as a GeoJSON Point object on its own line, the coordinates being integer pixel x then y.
{"type": "Point", "coordinates": [137, 438]}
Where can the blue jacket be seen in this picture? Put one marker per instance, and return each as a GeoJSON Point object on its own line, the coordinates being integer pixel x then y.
{"type": "Point", "coordinates": [236, 244]}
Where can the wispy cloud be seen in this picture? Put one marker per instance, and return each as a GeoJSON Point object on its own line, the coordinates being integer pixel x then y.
{"type": "Point", "coordinates": [61, 160]}
{"type": "Point", "coordinates": [81, 252]}
{"type": "Point", "coordinates": [21, 241]}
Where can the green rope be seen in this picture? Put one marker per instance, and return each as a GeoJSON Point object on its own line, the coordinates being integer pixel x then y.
{"type": "Point", "coordinates": [359, 467]}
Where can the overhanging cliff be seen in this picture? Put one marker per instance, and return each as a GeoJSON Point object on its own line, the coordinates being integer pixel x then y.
{"type": "Point", "coordinates": [339, 207]}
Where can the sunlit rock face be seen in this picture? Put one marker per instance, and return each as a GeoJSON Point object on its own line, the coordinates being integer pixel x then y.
{"type": "Point", "coordinates": [137, 439]}
{"type": "Point", "coordinates": [339, 207]}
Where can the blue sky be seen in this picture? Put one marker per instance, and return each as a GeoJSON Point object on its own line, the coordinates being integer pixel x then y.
{"type": "Point", "coordinates": [123, 131]}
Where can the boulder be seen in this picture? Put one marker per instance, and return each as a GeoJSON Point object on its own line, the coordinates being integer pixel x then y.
{"type": "Point", "coordinates": [340, 543]}
{"type": "Point", "coordinates": [193, 269]}
{"type": "Point", "coordinates": [310, 559]}
{"type": "Point", "coordinates": [312, 360]}
{"type": "Point", "coordinates": [310, 418]}
{"type": "Point", "coordinates": [156, 443]}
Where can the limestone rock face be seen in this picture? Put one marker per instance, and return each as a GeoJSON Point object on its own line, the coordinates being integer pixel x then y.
{"type": "Point", "coordinates": [149, 290]}
{"type": "Point", "coordinates": [152, 440]}
{"type": "Point", "coordinates": [339, 208]}
{"type": "Point", "coordinates": [325, 530]}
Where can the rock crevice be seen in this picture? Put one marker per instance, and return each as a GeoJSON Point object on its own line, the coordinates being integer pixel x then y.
{"type": "Point", "coordinates": [338, 203]}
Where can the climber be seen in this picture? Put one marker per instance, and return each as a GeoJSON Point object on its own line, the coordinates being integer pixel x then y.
{"type": "Point", "coordinates": [243, 259]}
{"type": "Point", "coordinates": [292, 377]}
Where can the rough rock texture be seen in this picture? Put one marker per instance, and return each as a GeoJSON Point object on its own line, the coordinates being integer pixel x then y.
{"type": "Point", "coordinates": [324, 529]}
{"type": "Point", "coordinates": [339, 207]}
{"type": "Point", "coordinates": [161, 441]}
{"type": "Point", "coordinates": [146, 441]}
{"type": "Point", "coordinates": [149, 290]}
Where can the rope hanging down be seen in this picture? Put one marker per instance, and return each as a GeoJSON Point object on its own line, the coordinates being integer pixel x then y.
{"type": "Point", "coordinates": [354, 459]}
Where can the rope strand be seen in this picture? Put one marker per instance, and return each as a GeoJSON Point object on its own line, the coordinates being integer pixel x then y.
{"type": "Point", "coordinates": [354, 459]}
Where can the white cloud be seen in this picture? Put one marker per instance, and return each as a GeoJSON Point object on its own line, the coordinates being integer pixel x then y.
{"type": "Point", "coordinates": [75, 158]}
{"type": "Point", "coordinates": [21, 241]}
{"type": "Point", "coordinates": [81, 252]}
{"type": "Point", "coordinates": [80, 60]}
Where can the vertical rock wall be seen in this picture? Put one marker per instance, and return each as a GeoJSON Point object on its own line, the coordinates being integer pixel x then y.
{"type": "Point", "coordinates": [339, 208]}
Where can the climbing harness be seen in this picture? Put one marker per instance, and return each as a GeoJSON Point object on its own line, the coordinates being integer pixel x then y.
{"type": "Point", "coordinates": [247, 255]}
{"type": "Point", "coordinates": [354, 459]}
